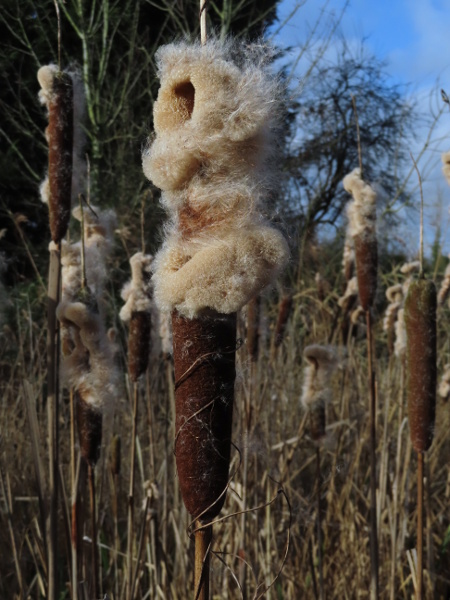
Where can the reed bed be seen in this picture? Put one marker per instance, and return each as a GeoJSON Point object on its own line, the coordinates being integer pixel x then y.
{"type": "Point", "coordinates": [280, 454]}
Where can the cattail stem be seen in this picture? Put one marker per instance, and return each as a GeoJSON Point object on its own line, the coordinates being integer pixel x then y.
{"type": "Point", "coordinates": [54, 286]}
{"type": "Point", "coordinates": [131, 492]}
{"type": "Point", "coordinates": [373, 461]}
{"type": "Point", "coordinates": [203, 539]}
{"type": "Point", "coordinates": [419, 575]}
{"type": "Point", "coordinates": [319, 523]}
{"type": "Point", "coordinates": [94, 549]}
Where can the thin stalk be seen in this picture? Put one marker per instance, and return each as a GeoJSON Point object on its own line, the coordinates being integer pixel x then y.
{"type": "Point", "coordinates": [95, 586]}
{"type": "Point", "coordinates": [203, 538]}
{"type": "Point", "coordinates": [131, 494]}
{"type": "Point", "coordinates": [374, 591]}
{"type": "Point", "coordinates": [54, 286]}
{"type": "Point", "coordinates": [419, 574]}
{"type": "Point", "coordinates": [203, 35]}
{"type": "Point", "coordinates": [319, 524]}
{"type": "Point", "coordinates": [74, 485]}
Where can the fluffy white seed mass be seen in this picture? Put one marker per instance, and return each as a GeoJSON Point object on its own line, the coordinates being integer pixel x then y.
{"type": "Point", "coordinates": [322, 361]}
{"type": "Point", "coordinates": [138, 292]}
{"type": "Point", "coordinates": [214, 121]}
{"type": "Point", "coordinates": [446, 166]}
{"type": "Point", "coordinates": [362, 211]}
{"type": "Point", "coordinates": [88, 355]}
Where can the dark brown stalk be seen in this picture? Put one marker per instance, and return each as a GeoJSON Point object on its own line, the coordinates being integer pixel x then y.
{"type": "Point", "coordinates": [374, 560]}
{"type": "Point", "coordinates": [253, 315]}
{"type": "Point", "coordinates": [419, 576]}
{"type": "Point", "coordinates": [94, 549]}
{"type": "Point", "coordinates": [130, 537]}
{"type": "Point", "coordinates": [203, 539]}
{"type": "Point", "coordinates": [319, 522]}
{"type": "Point", "coordinates": [204, 351]}
{"type": "Point", "coordinates": [54, 285]}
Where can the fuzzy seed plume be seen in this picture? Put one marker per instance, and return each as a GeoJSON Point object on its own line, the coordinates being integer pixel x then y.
{"type": "Point", "coordinates": [348, 257]}
{"type": "Point", "coordinates": [362, 215]}
{"type": "Point", "coordinates": [350, 295]}
{"type": "Point", "coordinates": [446, 165]}
{"type": "Point", "coordinates": [444, 290]}
{"type": "Point", "coordinates": [215, 122]}
{"type": "Point", "coordinates": [137, 312]}
{"type": "Point", "coordinates": [57, 95]}
{"type": "Point", "coordinates": [400, 343]}
{"type": "Point", "coordinates": [138, 292]}
{"type": "Point", "coordinates": [322, 361]}
{"type": "Point", "coordinates": [444, 385]}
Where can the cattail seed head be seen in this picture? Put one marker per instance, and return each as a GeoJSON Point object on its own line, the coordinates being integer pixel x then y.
{"type": "Point", "coordinates": [57, 93]}
{"type": "Point", "coordinates": [89, 421]}
{"type": "Point", "coordinates": [420, 321]}
{"type": "Point", "coordinates": [138, 344]}
{"type": "Point", "coordinates": [362, 222]}
{"type": "Point", "coordinates": [204, 359]}
{"type": "Point", "coordinates": [284, 312]}
{"type": "Point", "coordinates": [316, 393]}
{"type": "Point", "coordinates": [137, 311]}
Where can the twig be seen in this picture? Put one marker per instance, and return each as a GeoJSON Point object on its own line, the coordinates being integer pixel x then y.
{"type": "Point", "coordinates": [203, 35]}
{"type": "Point", "coordinates": [358, 136]}
{"type": "Point", "coordinates": [421, 215]}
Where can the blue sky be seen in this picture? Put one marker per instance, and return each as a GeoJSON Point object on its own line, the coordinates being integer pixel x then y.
{"type": "Point", "coordinates": [413, 37]}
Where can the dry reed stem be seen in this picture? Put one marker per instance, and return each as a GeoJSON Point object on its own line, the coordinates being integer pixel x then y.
{"type": "Point", "coordinates": [130, 536]}
{"type": "Point", "coordinates": [53, 342]}
{"type": "Point", "coordinates": [374, 553]}
{"type": "Point", "coordinates": [203, 541]}
{"type": "Point", "coordinates": [253, 316]}
{"type": "Point", "coordinates": [94, 548]}
{"type": "Point", "coordinates": [419, 575]}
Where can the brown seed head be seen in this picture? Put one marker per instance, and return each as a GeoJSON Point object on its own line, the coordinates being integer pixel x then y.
{"type": "Point", "coordinates": [420, 321]}
{"type": "Point", "coordinates": [139, 344]}
{"type": "Point", "coordinates": [204, 358]}
{"type": "Point", "coordinates": [89, 422]}
{"type": "Point", "coordinates": [60, 150]}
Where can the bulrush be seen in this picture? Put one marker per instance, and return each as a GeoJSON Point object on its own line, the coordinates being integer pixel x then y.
{"type": "Point", "coordinates": [284, 311]}
{"type": "Point", "coordinates": [137, 311]}
{"type": "Point", "coordinates": [214, 121]}
{"type": "Point", "coordinates": [322, 361]}
{"type": "Point", "coordinates": [362, 226]}
{"type": "Point", "coordinates": [420, 321]}
{"type": "Point", "coordinates": [57, 94]}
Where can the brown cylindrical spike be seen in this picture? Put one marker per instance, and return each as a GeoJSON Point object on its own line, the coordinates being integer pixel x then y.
{"type": "Point", "coordinates": [89, 422]}
{"type": "Point", "coordinates": [60, 150]}
{"type": "Point", "coordinates": [420, 322]}
{"type": "Point", "coordinates": [204, 351]}
{"type": "Point", "coordinates": [283, 316]}
{"type": "Point", "coordinates": [366, 254]}
{"type": "Point", "coordinates": [317, 421]}
{"type": "Point", "coordinates": [139, 344]}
